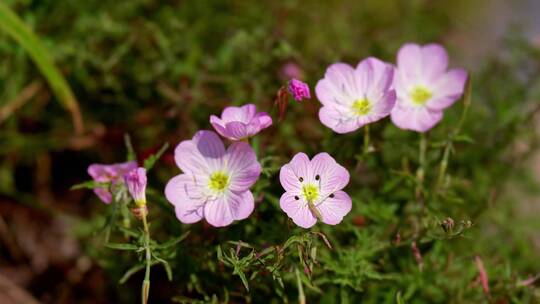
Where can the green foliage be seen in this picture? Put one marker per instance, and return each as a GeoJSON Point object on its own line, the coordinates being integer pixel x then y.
{"type": "Point", "coordinates": [423, 207]}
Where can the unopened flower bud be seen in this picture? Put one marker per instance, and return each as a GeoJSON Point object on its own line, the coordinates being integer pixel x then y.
{"type": "Point", "coordinates": [299, 90]}
{"type": "Point", "coordinates": [135, 181]}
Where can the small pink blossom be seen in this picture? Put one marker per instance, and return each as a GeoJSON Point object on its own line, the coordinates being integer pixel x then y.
{"type": "Point", "coordinates": [314, 190]}
{"type": "Point", "coordinates": [291, 70]}
{"type": "Point", "coordinates": [135, 181]}
{"type": "Point", "coordinates": [424, 86]}
{"type": "Point", "coordinates": [112, 173]}
{"type": "Point", "coordinates": [215, 181]}
{"type": "Point", "coordinates": [353, 97]}
{"type": "Point", "coordinates": [299, 90]}
{"type": "Point", "coordinates": [237, 123]}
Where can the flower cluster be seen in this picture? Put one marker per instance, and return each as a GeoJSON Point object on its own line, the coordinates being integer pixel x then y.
{"type": "Point", "coordinates": [216, 179]}
{"type": "Point", "coordinates": [414, 93]}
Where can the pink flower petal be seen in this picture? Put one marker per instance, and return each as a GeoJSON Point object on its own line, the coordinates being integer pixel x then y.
{"type": "Point", "coordinates": [434, 61]}
{"type": "Point", "coordinates": [297, 210]}
{"type": "Point", "coordinates": [419, 119]}
{"type": "Point", "coordinates": [384, 106]}
{"type": "Point", "coordinates": [184, 193]}
{"type": "Point", "coordinates": [236, 130]}
{"type": "Point", "coordinates": [242, 204]}
{"type": "Point", "coordinates": [338, 85]}
{"type": "Point", "coordinates": [218, 212]}
{"type": "Point", "coordinates": [201, 155]}
{"type": "Point", "coordinates": [338, 121]}
{"type": "Point", "coordinates": [242, 165]}
{"type": "Point", "coordinates": [409, 61]}
{"type": "Point", "coordinates": [242, 114]}
{"type": "Point", "coordinates": [448, 89]}
{"type": "Point", "coordinates": [301, 167]}
{"type": "Point", "coordinates": [331, 176]}
{"type": "Point", "coordinates": [373, 77]}
{"type": "Point", "coordinates": [104, 195]}
{"type": "Point", "coordinates": [264, 119]}
{"type": "Point", "coordinates": [333, 209]}
{"type": "Point", "coordinates": [289, 180]}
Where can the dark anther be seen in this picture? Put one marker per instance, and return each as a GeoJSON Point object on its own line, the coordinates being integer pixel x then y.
{"type": "Point", "coordinates": [296, 197]}
{"type": "Point", "coordinates": [332, 195]}
{"type": "Point", "coordinates": [317, 177]}
{"type": "Point", "coordinates": [301, 179]}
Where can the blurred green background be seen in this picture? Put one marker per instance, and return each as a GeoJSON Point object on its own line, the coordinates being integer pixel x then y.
{"type": "Point", "coordinates": [157, 69]}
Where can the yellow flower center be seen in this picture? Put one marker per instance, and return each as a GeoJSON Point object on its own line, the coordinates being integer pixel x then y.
{"type": "Point", "coordinates": [218, 181]}
{"type": "Point", "coordinates": [310, 192]}
{"type": "Point", "coordinates": [361, 107]}
{"type": "Point", "coordinates": [420, 95]}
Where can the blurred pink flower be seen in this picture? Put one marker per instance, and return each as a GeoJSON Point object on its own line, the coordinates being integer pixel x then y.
{"type": "Point", "coordinates": [424, 87]}
{"type": "Point", "coordinates": [482, 274]}
{"type": "Point", "coordinates": [237, 123]}
{"type": "Point", "coordinates": [215, 182]}
{"type": "Point", "coordinates": [313, 190]}
{"type": "Point", "coordinates": [135, 181]}
{"type": "Point", "coordinates": [113, 174]}
{"type": "Point", "coordinates": [352, 97]}
{"type": "Point", "coordinates": [299, 90]}
{"type": "Point", "coordinates": [291, 70]}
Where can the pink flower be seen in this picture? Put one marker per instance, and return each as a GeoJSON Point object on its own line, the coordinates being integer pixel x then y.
{"type": "Point", "coordinates": [299, 90]}
{"type": "Point", "coordinates": [313, 190]}
{"type": "Point", "coordinates": [291, 70]}
{"type": "Point", "coordinates": [215, 183]}
{"type": "Point", "coordinates": [424, 86]}
{"type": "Point", "coordinates": [352, 98]}
{"type": "Point", "coordinates": [239, 123]}
{"type": "Point", "coordinates": [109, 174]}
{"type": "Point", "coordinates": [135, 181]}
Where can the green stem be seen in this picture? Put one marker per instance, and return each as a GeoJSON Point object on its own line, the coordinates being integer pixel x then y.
{"type": "Point", "coordinates": [146, 283]}
{"type": "Point", "coordinates": [301, 295]}
{"type": "Point", "coordinates": [447, 149]}
{"type": "Point", "coordinates": [366, 139]}
{"type": "Point", "coordinates": [420, 172]}
{"type": "Point", "coordinates": [443, 165]}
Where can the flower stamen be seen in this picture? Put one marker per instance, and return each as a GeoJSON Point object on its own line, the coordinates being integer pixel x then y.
{"type": "Point", "coordinates": [310, 192]}
{"type": "Point", "coordinates": [361, 107]}
{"type": "Point", "coordinates": [420, 95]}
{"type": "Point", "coordinates": [218, 181]}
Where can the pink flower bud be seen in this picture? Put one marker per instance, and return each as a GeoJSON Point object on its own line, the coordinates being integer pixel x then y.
{"type": "Point", "coordinates": [136, 183]}
{"type": "Point", "coordinates": [299, 90]}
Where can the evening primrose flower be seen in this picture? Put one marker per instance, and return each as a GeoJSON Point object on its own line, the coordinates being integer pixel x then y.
{"type": "Point", "coordinates": [314, 190]}
{"type": "Point", "coordinates": [215, 181]}
{"type": "Point", "coordinates": [238, 123]}
{"type": "Point", "coordinates": [352, 98]}
{"type": "Point", "coordinates": [424, 86]}
{"type": "Point", "coordinates": [299, 90]}
{"type": "Point", "coordinates": [135, 181]}
{"type": "Point", "coordinates": [112, 173]}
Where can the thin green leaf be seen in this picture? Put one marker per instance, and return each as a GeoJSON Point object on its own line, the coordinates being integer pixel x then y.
{"type": "Point", "coordinates": [131, 272]}
{"type": "Point", "coordinates": [89, 185]}
{"type": "Point", "coordinates": [129, 147]}
{"type": "Point", "coordinates": [172, 242]}
{"type": "Point", "coordinates": [20, 32]}
{"type": "Point", "coordinates": [152, 159]}
{"type": "Point", "coordinates": [120, 246]}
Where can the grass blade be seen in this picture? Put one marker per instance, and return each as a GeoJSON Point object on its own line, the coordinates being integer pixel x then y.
{"type": "Point", "coordinates": [17, 29]}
